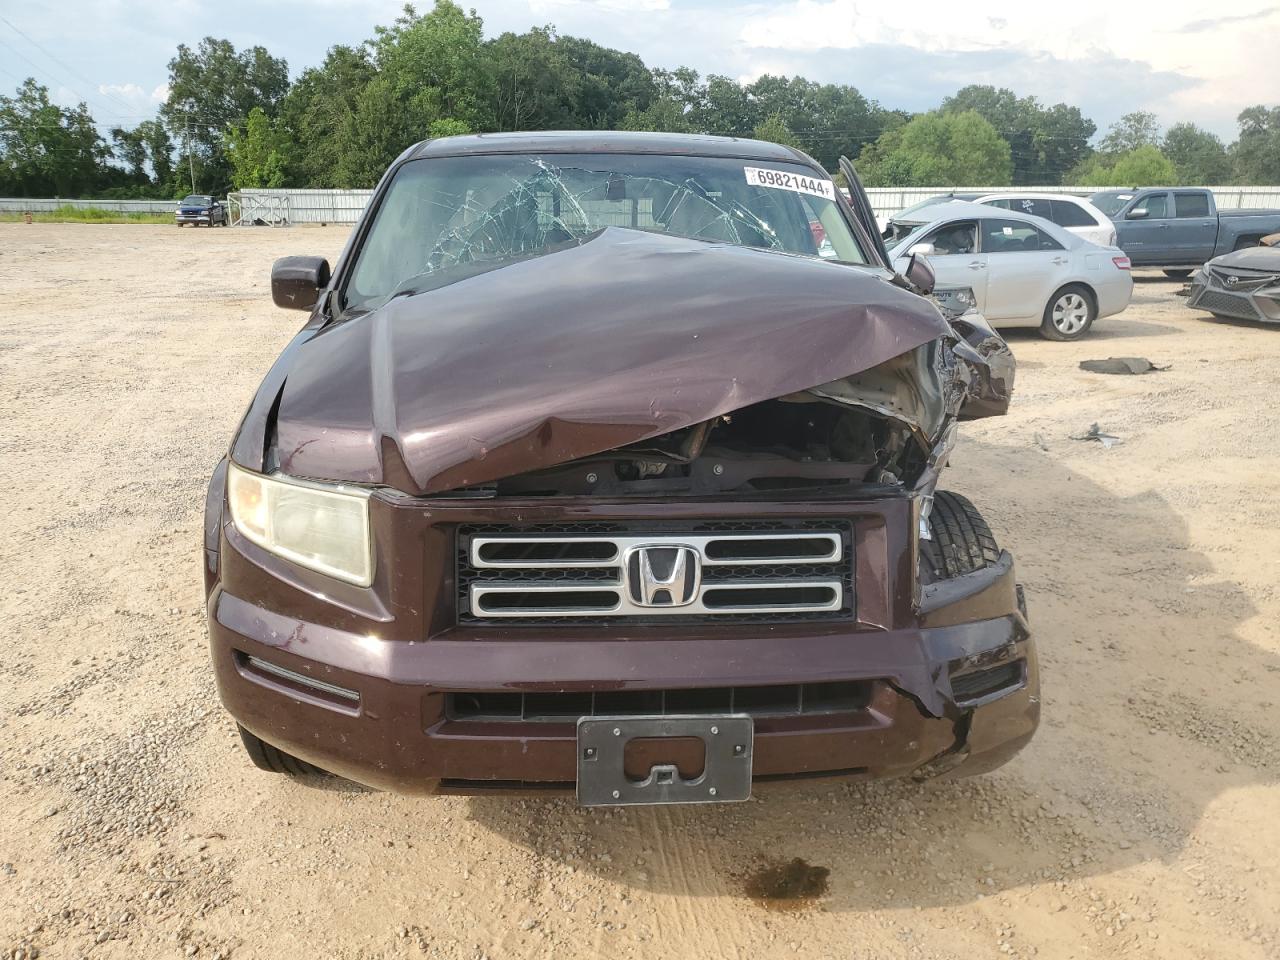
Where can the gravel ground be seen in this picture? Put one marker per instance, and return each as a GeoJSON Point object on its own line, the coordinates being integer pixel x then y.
{"type": "Point", "coordinates": [1143, 821]}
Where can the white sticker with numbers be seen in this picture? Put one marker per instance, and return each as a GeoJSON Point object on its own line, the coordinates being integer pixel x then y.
{"type": "Point", "coordinates": [799, 183]}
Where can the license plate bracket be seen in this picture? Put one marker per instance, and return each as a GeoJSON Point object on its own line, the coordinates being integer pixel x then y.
{"type": "Point", "coordinates": [725, 777]}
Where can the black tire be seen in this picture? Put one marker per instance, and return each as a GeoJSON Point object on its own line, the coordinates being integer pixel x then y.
{"type": "Point", "coordinates": [1051, 330]}
{"type": "Point", "coordinates": [273, 760]}
{"type": "Point", "coordinates": [1178, 274]}
{"type": "Point", "coordinates": [962, 542]}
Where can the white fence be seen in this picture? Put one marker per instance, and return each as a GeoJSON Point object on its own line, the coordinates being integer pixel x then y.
{"type": "Point", "coordinates": [44, 205]}
{"type": "Point", "coordinates": [300, 206]}
{"type": "Point", "coordinates": [282, 207]}
{"type": "Point", "coordinates": [345, 206]}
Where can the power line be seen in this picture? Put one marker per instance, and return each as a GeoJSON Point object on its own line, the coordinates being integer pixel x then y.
{"type": "Point", "coordinates": [73, 72]}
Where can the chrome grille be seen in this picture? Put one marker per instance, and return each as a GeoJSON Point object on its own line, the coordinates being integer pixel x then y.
{"type": "Point", "coordinates": [569, 574]}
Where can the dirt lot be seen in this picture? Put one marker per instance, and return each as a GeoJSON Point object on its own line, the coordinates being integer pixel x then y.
{"type": "Point", "coordinates": [1144, 820]}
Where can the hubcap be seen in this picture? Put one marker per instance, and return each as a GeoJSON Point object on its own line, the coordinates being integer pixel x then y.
{"type": "Point", "coordinates": [1070, 313]}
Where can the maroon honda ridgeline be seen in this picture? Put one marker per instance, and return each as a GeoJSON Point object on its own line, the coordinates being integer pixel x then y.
{"type": "Point", "coordinates": [608, 462]}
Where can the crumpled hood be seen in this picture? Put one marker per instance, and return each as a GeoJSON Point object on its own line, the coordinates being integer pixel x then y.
{"type": "Point", "coordinates": [1250, 258]}
{"type": "Point", "coordinates": [624, 337]}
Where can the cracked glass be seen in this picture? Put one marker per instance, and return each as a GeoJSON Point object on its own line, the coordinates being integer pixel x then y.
{"type": "Point", "coordinates": [447, 218]}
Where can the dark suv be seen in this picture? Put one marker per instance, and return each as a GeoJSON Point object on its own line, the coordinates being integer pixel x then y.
{"type": "Point", "coordinates": [609, 461]}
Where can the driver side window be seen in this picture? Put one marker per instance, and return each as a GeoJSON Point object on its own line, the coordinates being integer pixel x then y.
{"type": "Point", "coordinates": [954, 238]}
{"type": "Point", "coordinates": [1157, 205]}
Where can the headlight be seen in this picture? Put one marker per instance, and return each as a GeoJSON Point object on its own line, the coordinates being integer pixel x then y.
{"type": "Point", "coordinates": [323, 529]}
{"type": "Point", "coordinates": [955, 301]}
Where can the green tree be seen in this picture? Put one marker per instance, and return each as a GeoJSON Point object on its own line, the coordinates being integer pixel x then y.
{"type": "Point", "coordinates": [213, 87]}
{"type": "Point", "coordinates": [317, 116]}
{"type": "Point", "coordinates": [256, 151]}
{"type": "Point", "coordinates": [45, 149]}
{"type": "Point", "coordinates": [611, 83]}
{"type": "Point", "coordinates": [1143, 166]}
{"type": "Point", "coordinates": [1133, 130]}
{"type": "Point", "coordinates": [1044, 142]}
{"type": "Point", "coordinates": [775, 130]}
{"type": "Point", "coordinates": [436, 66]}
{"type": "Point", "coordinates": [725, 108]}
{"type": "Point", "coordinates": [663, 115]}
{"type": "Point", "coordinates": [1255, 156]}
{"type": "Point", "coordinates": [131, 149]}
{"type": "Point", "coordinates": [147, 153]}
{"type": "Point", "coordinates": [535, 84]}
{"type": "Point", "coordinates": [1197, 155]}
{"type": "Point", "coordinates": [677, 103]}
{"type": "Point", "coordinates": [939, 149]}
{"type": "Point", "coordinates": [826, 120]}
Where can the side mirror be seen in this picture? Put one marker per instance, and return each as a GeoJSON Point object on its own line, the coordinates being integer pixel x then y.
{"type": "Point", "coordinates": [921, 250]}
{"type": "Point", "coordinates": [920, 271]}
{"type": "Point", "coordinates": [1138, 213]}
{"type": "Point", "coordinates": [296, 282]}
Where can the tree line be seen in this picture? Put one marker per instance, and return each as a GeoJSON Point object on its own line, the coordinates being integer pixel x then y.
{"type": "Point", "coordinates": [233, 119]}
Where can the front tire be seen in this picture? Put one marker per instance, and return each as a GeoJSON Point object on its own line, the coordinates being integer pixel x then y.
{"type": "Point", "coordinates": [962, 541]}
{"type": "Point", "coordinates": [1069, 313]}
{"type": "Point", "coordinates": [1178, 274]}
{"type": "Point", "coordinates": [273, 760]}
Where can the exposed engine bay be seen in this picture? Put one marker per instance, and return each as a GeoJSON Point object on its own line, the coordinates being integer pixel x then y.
{"type": "Point", "coordinates": [884, 428]}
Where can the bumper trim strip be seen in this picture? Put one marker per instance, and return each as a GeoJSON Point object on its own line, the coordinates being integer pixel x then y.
{"type": "Point", "coordinates": [266, 666]}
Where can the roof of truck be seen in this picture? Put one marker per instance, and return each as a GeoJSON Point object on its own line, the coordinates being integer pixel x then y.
{"type": "Point", "coordinates": [609, 141]}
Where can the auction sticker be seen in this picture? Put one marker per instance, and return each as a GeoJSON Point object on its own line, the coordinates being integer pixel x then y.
{"type": "Point", "coordinates": [799, 183]}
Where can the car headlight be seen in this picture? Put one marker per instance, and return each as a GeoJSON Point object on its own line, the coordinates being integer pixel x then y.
{"type": "Point", "coordinates": [324, 529]}
{"type": "Point", "coordinates": [955, 301]}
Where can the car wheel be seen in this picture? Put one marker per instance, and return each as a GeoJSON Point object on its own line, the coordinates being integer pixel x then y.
{"type": "Point", "coordinates": [1178, 274]}
{"type": "Point", "coordinates": [1069, 314]}
{"type": "Point", "coordinates": [962, 541]}
{"type": "Point", "coordinates": [269, 758]}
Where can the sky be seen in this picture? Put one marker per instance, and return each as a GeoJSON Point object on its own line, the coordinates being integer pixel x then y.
{"type": "Point", "coordinates": [1171, 57]}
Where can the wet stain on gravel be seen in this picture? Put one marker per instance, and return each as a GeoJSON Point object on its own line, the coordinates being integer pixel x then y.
{"type": "Point", "coordinates": [787, 885]}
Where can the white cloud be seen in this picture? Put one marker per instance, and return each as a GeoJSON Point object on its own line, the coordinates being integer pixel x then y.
{"type": "Point", "coordinates": [1200, 69]}
{"type": "Point", "coordinates": [128, 102]}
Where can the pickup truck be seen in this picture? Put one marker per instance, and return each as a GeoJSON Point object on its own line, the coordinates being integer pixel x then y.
{"type": "Point", "coordinates": [1179, 229]}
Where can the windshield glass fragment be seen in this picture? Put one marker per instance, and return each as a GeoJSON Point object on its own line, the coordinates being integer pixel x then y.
{"type": "Point", "coordinates": [446, 218]}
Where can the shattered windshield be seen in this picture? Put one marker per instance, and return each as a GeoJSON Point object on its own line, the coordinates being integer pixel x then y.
{"type": "Point", "coordinates": [449, 217]}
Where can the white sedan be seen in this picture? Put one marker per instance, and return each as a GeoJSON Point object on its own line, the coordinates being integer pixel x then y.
{"type": "Point", "coordinates": [1018, 270]}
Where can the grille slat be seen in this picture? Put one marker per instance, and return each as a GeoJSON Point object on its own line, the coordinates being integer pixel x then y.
{"type": "Point", "coordinates": [576, 574]}
{"type": "Point", "coordinates": [1231, 304]}
{"type": "Point", "coordinates": [967, 687]}
{"type": "Point", "coordinates": [786, 700]}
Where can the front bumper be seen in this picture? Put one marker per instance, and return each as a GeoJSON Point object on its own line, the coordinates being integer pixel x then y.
{"type": "Point", "coordinates": [193, 217]}
{"type": "Point", "coordinates": [1236, 293]}
{"type": "Point", "coordinates": [358, 684]}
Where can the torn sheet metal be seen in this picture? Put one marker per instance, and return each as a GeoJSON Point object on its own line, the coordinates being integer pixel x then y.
{"type": "Point", "coordinates": [1096, 433]}
{"type": "Point", "coordinates": [1122, 365]}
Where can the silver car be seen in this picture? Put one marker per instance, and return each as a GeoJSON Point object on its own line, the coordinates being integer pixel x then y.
{"type": "Point", "coordinates": [1018, 270]}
